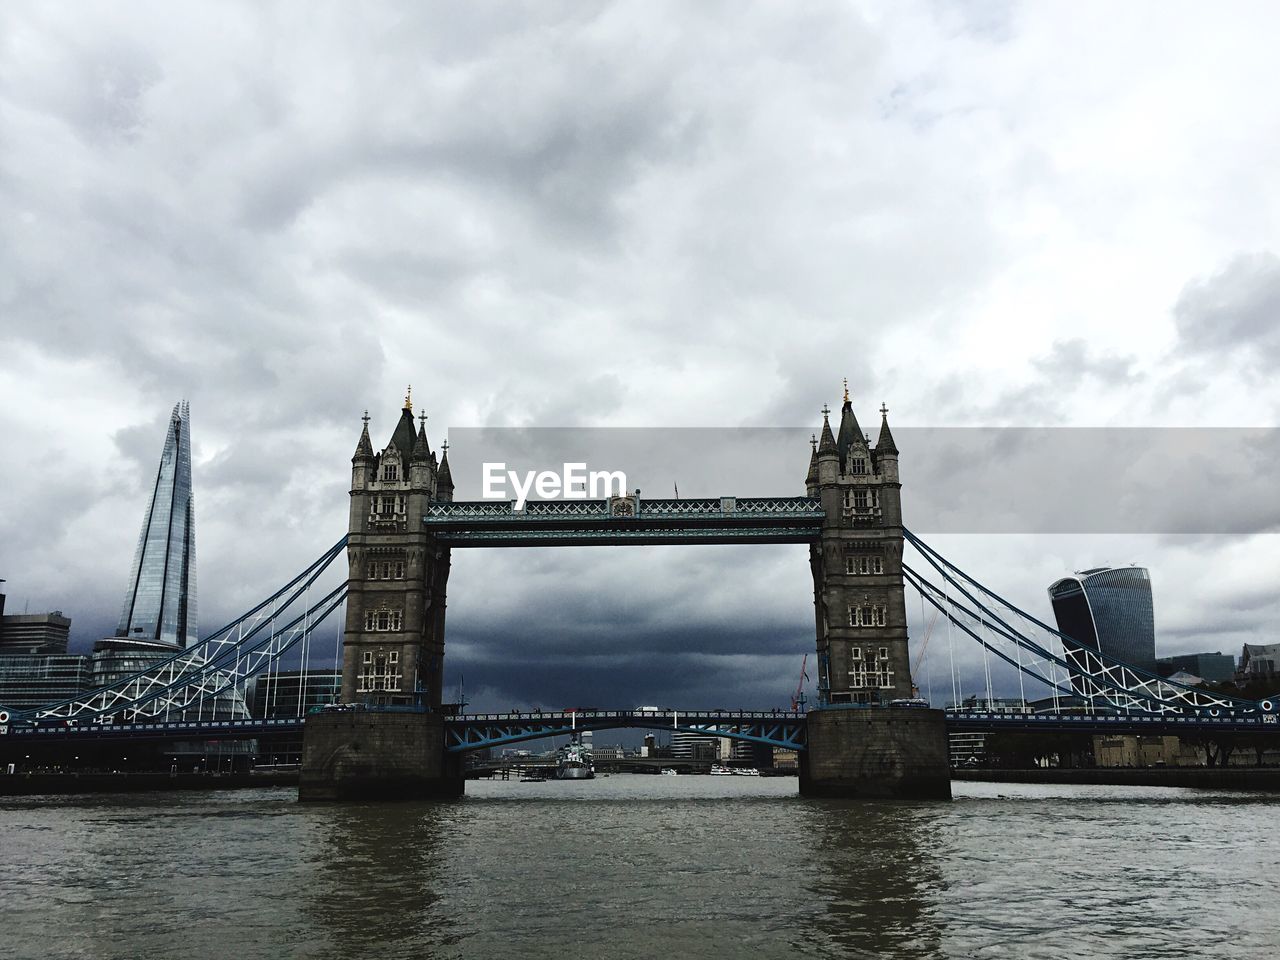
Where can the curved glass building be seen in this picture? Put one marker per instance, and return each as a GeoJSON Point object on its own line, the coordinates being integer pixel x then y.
{"type": "Point", "coordinates": [1108, 609]}
{"type": "Point", "coordinates": [160, 602]}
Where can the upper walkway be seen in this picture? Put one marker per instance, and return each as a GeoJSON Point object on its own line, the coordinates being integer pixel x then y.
{"type": "Point", "coordinates": [630, 519]}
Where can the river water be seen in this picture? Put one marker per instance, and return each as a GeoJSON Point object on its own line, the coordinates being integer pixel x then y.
{"type": "Point", "coordinates": [644, 866]}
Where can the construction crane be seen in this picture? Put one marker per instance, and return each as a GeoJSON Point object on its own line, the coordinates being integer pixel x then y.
{"type": "Point", "coordinates": [797, 698]}
{"type": "Point", "coordinates": [924, 646]}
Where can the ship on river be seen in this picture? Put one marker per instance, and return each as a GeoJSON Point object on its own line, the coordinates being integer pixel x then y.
{"type": "Point", "coordinates": [574, 762]}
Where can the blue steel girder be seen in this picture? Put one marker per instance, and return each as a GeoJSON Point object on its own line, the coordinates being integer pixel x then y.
{"type": "Point", "coordinates": [476, 732]}
{"type": "Point", "coordinates": [626, 520]}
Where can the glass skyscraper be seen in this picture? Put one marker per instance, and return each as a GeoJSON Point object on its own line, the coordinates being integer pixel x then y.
{"type": "Point", "coordinates": [1108, 609]}
{"type": "Point", "coordinates": [160, 602]}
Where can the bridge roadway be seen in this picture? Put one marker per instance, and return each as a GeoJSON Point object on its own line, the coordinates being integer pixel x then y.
{"type": "Point", "coordinates": [777, 728]}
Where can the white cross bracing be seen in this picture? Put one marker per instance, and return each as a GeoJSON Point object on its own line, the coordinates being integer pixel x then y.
{"type": "Point", "coordinates": [1065, 666]}
{"type": "Point", "coordinates": [223, 660]}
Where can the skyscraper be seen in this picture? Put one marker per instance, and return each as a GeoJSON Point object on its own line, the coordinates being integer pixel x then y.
{"type": "Point", "coordinates": [160, 601]}
{"type": "Point", "coordinates": [1108, 609]}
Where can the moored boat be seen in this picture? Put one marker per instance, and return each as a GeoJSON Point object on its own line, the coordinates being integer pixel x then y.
{"type": "Point", "coordinates": [575, 763]}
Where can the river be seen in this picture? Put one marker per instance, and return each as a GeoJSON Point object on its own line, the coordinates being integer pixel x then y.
{"type": "Point", "coordinates": [644, 866]}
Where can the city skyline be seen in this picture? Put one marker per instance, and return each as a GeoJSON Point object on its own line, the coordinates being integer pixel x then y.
{"type": "Point", "coordinates": [938, 204]}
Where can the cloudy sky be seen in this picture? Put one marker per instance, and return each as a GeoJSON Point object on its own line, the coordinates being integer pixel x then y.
{"type": "Point", "coordinates": [683, 215]}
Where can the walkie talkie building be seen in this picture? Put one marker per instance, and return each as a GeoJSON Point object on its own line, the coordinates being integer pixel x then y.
{"type": "Point", "coordinates": [160, 602]}
{"type": "Point", "coordinates": [1108, 609]}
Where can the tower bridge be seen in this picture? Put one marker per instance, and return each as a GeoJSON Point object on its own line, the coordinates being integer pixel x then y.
{"type": "Point", "coordinates": [865, 737]}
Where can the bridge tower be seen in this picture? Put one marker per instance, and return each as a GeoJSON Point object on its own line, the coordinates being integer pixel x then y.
{"type": "Point", "coordinates": [391, 743]}
{"type": "Point", "coordinates": [393, 646]}
{"type": "Point", "coordinates": [864, 741]}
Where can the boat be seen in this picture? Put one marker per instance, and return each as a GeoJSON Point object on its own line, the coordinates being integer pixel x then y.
{"type": "Point", "coordinates": [533, 779]}
{"type": "Point", "coordinates": [574, 762]}
{"type": "Point", "coordinates": [668, 772]}
{"type": "Point", "coordinates": [719, 770]}
{"type": "Point", "coordinates": [746, 772]}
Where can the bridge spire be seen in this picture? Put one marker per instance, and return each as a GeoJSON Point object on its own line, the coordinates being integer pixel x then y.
{"type": "Point", "coordinates": [884, 443]}
{"type": "Point", "coordinates": [850, 433]}
{"type": "Point", "coordinates": [444, 477]}
{"type": "Point", "coordinates": [364, 448]}
{"type": "Point", "coordinates": [828, 442]}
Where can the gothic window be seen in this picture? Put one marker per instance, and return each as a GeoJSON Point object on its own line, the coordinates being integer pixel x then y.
{"type": "Point", "coordinates": [368, 620]}
{"type": "Point", "coordinates": [866, 615]}
{"type": "Point", "coordinates": [860, 500]}
{"type": "Point", "coordinates": [399, 504]}
{"type": "Point", "coordinates": [391, 471]}
{"type": "Point", "coordinates": [372, 571]}
{"type": "Point", "coordinates": [862, 566]}
{"type": "Point", "coordinates": [399, 569]}
{"type": "Point", "coordinates": [859, 465]}
{"type": "Point", "coordinates": [384, 620]}
{"type": "Point", "coordinates": [395, 620]}
{"type": "Point", "coordinates": [857, 669]}
{"type": "Point", "coordinates": [380, 671]}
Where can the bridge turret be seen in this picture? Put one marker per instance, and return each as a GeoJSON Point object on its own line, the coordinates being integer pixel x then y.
{"type": "Point", "coordinates": [444, 479]}
{"type": "Point", "coordinates": [828, 455]}
{"type": "Point", "coordinates": [421, 462]}
{"type": "Point", "coordinates": [886, 460]}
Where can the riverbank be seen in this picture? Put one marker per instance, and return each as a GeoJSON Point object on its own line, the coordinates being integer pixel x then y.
{"type": "Point", "coordinates": [63, 784]}
{"type": "Point", "coordinates": [1263, 779]}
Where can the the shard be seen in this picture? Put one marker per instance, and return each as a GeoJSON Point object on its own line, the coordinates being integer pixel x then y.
{"type": "Point", "coordinates": [160, 602]}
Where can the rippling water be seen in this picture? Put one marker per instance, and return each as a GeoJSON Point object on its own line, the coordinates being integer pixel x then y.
{"type": "Point", "coordinates": [644, 866]}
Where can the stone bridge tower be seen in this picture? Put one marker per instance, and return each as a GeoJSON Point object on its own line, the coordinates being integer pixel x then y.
{"type": "Point", "coordinates": [390, 746]}
{"type": "Point", "coordinates": [393, 647]}
{"type": "Point", "coordinates": [859, 600]}
{"type": "Point", "coordinates": [868, 736]}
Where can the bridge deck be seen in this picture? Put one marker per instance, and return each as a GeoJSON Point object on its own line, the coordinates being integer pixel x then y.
{"type": "Point", "coordinates": [482, 523]}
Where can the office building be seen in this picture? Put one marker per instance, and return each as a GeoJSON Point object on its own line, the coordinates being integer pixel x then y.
{"type": "Point", "coordinates": [291, 693]}
{"type": "Point", "coordinates": [1215, 667]}
{"type": "Point", "coordinates": [35, 633]}
{"type": "Point", "coordinates": [1108, 609]}
{"type": "Point", "coordinates": [160, 599]}
{"type": "Point", "coordinates": [1259, 661]}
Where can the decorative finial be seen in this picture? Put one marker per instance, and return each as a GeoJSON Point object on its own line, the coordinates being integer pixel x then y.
{"type": "Point", "coordinates": [422, 420]}
{"type": "Point", "coordinates": [408, 397]}
{"type": "Point", "coordinates": [846, 389]}
{"type": "Point", "coordinates": [813, 440]}
{"type": "Point", "coordinates": [365, 418]}
{"type": "Point", "coordinates": [884, 411]}
{"type": "Point", "coordinates": [445, 446]}
{"type": "Point", "coordinates": [826, 411]}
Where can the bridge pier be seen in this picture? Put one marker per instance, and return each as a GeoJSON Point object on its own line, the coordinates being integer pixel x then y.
{"type": "Point", "coordinates": [377, 755]}
{"type": "Point", "coordinates": [894, 753]}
